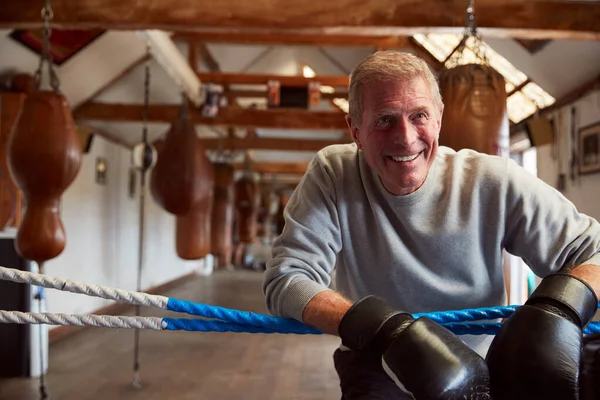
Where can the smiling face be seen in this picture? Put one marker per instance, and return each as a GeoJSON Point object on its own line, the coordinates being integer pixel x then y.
{"type": "Point", "coordinates": [399, 132]}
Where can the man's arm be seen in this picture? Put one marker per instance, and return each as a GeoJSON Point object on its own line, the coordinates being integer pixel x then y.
{"type": "Point", "coordinates": [545, 229]}
{"type": "Point", "coordinates": [590, 274]}
{"type": "Point", "coordinates": [304, 254]}
{"type": "Point", "coordinates": [325, 311]}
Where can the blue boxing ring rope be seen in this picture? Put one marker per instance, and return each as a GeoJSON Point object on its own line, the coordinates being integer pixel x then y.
{"type": "Point", "coordinates": [216, 318]}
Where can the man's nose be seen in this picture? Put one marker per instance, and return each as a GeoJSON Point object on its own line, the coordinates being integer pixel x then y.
{"type": "Point", "coordinates": [405, 133]}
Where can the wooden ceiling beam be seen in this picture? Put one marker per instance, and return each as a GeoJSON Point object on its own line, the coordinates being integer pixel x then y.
{"type": "Point", "coordinates": [274, 167]}
{"type": "Point", "coordinates": [262, 79]}
{"type": "Point", "coordinates": [229, 116]}
{"type": "Point", "coordinates": [294, 39]}
{"type": "Point", "coordinates": [263, 94]}
{"type": "Point", "coordinates": [268, 144]}
{"type": "Point", "coordinates": [539, 19]}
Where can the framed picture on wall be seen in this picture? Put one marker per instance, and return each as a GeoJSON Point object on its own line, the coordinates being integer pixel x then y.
{"type": "Point", "coordinates": [589, 148]}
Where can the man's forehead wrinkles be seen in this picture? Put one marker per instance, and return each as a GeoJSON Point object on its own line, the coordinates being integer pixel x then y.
{"type": "Point", "coordinates": [400, 110]}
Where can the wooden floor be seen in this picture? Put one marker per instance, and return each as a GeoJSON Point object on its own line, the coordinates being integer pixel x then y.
{"type": "Point", "coordinates": [97, 362]}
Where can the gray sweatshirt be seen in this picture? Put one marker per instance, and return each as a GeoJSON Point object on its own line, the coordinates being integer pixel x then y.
{"type": "Point", "coordinates": [439, 248]}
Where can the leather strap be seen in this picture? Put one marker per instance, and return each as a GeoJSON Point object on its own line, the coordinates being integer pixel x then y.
{"type": "Point", "coordinates": [570, 292]}
{"type": "Point", "coordinates": [370, 321]}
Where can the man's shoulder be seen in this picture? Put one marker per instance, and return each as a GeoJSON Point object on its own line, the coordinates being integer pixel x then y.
{"type": "Point", "coordinates": [342, 150]}
{"type": "Point", "coordinates": [472, 162]}
{"type": "Point", "coordinates": [336, 156]}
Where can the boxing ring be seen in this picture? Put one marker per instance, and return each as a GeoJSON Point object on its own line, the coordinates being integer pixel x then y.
{"type": "Point", "coordinates": [216, 318]}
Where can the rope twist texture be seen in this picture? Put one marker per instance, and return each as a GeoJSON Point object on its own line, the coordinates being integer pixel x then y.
{"type": "Point", "coordinates": [220, 319]}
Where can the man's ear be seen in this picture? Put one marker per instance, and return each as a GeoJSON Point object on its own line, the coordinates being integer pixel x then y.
{"type": "Point", "coordinates": [353, 131]}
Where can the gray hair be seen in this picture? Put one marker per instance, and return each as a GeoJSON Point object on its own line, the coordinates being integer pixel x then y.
{"type": "Point", "coordinates": [386, 65]}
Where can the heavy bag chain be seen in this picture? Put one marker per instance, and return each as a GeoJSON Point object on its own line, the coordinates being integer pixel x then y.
{"type": "Point", "coordinates": [45, 56]}
{"type": "Point", "coordinates": [469, 32]}
{"type": "Point", "coordinates": [146, 163]}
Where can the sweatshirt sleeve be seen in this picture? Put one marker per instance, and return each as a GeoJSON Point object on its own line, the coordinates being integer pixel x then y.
{"type": "Point", "coordinates": [304, 254]}
{"type": "Point", "coordinates": [544, 228]}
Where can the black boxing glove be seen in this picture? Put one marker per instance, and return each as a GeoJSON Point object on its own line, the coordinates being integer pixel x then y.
{"type": "Point", "coordinates": [422, 357]}
{"type": "Point", "coordinates": [590, 368]}
{"type": "Point", "coordinates": [537, 352]}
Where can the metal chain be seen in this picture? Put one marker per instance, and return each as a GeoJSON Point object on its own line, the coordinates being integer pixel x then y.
{"type": "Point", "coordinates": [470, 31]}
{"type": "Point", "coordinates": [146, 161]}
{"type": "Point", "coordinates": [146, 98]}
{"type": "Point", "coordinates": [46, 57]}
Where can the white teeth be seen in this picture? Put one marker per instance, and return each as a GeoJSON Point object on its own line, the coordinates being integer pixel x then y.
{"type": "Point", "coordinates": [407, 158]}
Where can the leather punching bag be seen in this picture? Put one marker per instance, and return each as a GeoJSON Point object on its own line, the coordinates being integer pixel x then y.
{"type": "Point", "coordinates": [284, 197]}
{"type": "Point", "coordinates": [176, 180]}
{"type": "Point", "coordinates": [475, 115]}
{"type": "Point", "coordinates": [247, 201]}
{"type": "Point", "coordinates": [44, 157]}
{"type": "Point", "coordinates": [193, 230]}
{"type": "Point", "coordinates": [268, 210]}
{"type": "Point", "coordinates": [223, 214]}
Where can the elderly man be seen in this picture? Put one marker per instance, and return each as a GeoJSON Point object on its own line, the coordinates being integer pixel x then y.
{"type": "Point", "coordinates": [411, 226]}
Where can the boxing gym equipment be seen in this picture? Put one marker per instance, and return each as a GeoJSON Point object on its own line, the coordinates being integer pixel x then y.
{"type": "Point", "coordinates": [193, 229]}
{"type": "Point", "coordinates": [590, 368]}
{"type": "Point", "coordinates": [475, 115]}
{"type": "Point", "coordinates": [474, 95]}
{"type": "Point", "coordinates": [537, 353]}
{"type": "Point", "coordinates": [182, 183]}
{"type": "Point", "coordinates": [284, 197]}
{"type": "Point", "coordinates": [247, 201]}
{"type": "Point", "coordinates": [177, 179]}
{"type": "Point", "coordinates": [441, 365]}
{"type": "Point", "coordinates": [223, 214]}
{"type": "Point", "coordinates": [221, 319]}
{"type": "Point", "coordinates": [11, 199]}
{"type": "Point", "coordinates": [268, 209]}
{"type": "Point", "coordinates": [45, 133]}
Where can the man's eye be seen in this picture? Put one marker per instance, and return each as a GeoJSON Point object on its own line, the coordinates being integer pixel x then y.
{"type": "Point", "coordinates": [382, 121]}
{"type": "Point", "coordinates": [421, 115]}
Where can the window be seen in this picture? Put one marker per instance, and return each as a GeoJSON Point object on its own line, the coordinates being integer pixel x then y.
{"type": "Point", "coordinates": [521, 103]}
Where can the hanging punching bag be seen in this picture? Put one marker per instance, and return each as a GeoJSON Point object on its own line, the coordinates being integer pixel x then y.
{"type": "Point", "coordinates": [44, 157]}
{"type": "Point", "coordinates": [475, 115]}
{"type": "Point", "coordinates": [193, 230]}
{"type": "Point", "coordinates": [223, 213]}
{"type": "Point", "coordinates": [176, 180]}
{"type": "Point", "coordinates": [268, 209]}
{"type": "Point", "coordinates": [247, 201]}
{"type": "Point", "coordinates": [284, 197]}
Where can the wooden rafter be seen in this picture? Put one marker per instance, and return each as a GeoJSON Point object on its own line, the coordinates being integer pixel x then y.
{"type": "Point", "coordinates": [378, 42]}
{"type": "Point", "coordinates": [228, 116]}
{"type": "Point", "coordinates": [540, 19]}
{"type": "Point", "coordinates": [207, 57]}
{"type": "Point", "coordinates": [295, 39]}
{"type": "Point", "coordinates": [269, 144]}
{"type": "Point", "coordinates": [274, 167]}
{"type": "Point", "coordinates": [263, 94]}
{"type": "Point", "coordinates": [262, 79]}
